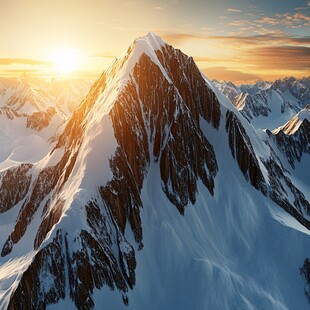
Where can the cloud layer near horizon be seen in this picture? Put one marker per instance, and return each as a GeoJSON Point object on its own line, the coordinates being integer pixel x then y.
{"type": "Point", "coordinates": [253, 57]}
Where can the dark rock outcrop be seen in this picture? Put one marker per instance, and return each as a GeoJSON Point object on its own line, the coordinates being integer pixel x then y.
{"type": "Point", "coordinates": [14, 186]}
{"type": "Point", "coordinates": [41, 119]}
{"type": "Point", "coordinates": [293, 145]}
{"type": "Point", "coordinates": [305, 272]}
{"type": "Point", "coordinates": [242, 150]}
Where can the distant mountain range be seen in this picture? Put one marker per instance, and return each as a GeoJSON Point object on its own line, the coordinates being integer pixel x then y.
{"type": "Point", "coordinates": [156, 192]}
{"type": "Point", "coordinates": [268, 105]}
{"type": "Point", "coordinates": [31, 112]}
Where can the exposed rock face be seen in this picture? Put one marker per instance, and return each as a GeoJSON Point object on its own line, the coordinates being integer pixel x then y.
{"type": "Point", "coordinates": [51, 180]}
{"type": "Point", "coordinates": [279, 184]}
{"type": "Point", "coordinates": [305, 272]}
{"type": "Point", "coordinates": [242, 150]}
{"type": "Point", "coordinates": [267, 105]}
{"type": "Point", "coordinates": [33, 293]}
{"type": "Point", "coordinates": [73, 132]}
{"type": "Point", "coordinates": [253, 89]}
{"type": "Point", "coordinates": [182, 163]}
{"type": "Point", "coordinates": [41, 119]}
{"type": "Point", "coordinates": [293, 146]}
{"type": "Point", "coordinates": [299, 88]}
{"type": "Point", "coordinates": [253, 106]}
{"type": "Point", "coordinates": [43, 185]}
{"type": "Point", "coordinates": [249, 106]}
{"type": "Point", "coordinates": [230, 90]}
{"type": "Point", "coordinates": [184, 74]}
{"type": "Point", "coordinates": [17, 179]}
{"type": "Point", "coordinates": [293, 138]}
{"type": "Point", "coordinates": [9, 112]}
{"type": "Point", "coordinates": [26, 95]}
{"type": "Point", "coordinates": [281, 187]}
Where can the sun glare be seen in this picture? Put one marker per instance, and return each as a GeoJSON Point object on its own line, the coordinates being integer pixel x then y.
{"type": "Point", "coordinates": [66, 61]}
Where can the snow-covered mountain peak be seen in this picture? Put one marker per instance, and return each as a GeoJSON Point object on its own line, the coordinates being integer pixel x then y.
{"type": "Point", "coordinates": [148, 45]}
{"type": "Point", "coordinates": [154, 40]}
{"type": "Point", "coordinates": [139, 183]}
{"type": "Point", "coordinates": [120, 72]}
{"type": "Point", "coordinates": [304, 113]}
{"type": "Point", "coordinates": [295, 123]}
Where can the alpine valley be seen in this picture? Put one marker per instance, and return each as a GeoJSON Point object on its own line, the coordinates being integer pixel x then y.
{"type": "Point", "coordinates": [155, 191]}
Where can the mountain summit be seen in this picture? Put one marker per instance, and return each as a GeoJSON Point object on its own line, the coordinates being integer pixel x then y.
{"type": "Point", "coordinates": [157, 194]}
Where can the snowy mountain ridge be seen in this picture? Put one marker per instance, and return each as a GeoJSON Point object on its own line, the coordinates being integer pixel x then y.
{"type": "Point", "coordinates": [268, 105]}
{"type": "Point", "coordinates": [123, 207]}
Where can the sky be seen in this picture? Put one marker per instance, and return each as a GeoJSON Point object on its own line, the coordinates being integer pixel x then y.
{"type": "Point", "coordinates": [241, 41]}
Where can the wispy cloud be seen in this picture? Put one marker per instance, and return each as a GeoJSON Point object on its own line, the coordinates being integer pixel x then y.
{"type": "Point", "coordinates": [238, 40]}
{"type": "Point", "coordinates": [250, 57]}
{"type": "Point", "coordinates": [178, 38]}
{"type": "Point", "coordinates": [296, 20]}
{"type": "Point", "coordinates": [102, 55]}
{"type": "Point", "coordinates": [233, 10]}
{"type": "Point", "coordinates": [300, 8]}
{"type": "Point", "coordinates": [279, 58]}
{"type": "Point", "coordinates": [23, 61]}
{"type": "Point", "coordinates": [158, 8]}
{"type": "Point", "coordinates": [223, 73]}
{"type": "Point", "coordinates": [263, 24]}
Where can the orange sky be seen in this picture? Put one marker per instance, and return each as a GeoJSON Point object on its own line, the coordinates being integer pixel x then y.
{"type": "Point", "coordinates": [242, 42]}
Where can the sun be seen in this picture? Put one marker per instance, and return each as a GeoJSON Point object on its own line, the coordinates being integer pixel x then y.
{"type": "Point", "coordinates": [66, 61]}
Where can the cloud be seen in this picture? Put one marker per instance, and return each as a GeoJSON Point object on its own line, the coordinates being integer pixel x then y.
{"type": "Point", "coordinates": [22, 71]}
{"type": "Point", "coordinates": [279, 58]}
{"type": "Point", "coordinates": [158, 8]}
{"type": "Point", "coordinates": [223, 73]}
{"type": "Point", "coordinates": [248, 58]}
{"type": "Point", "coordinates": [210, 59]}
{"type": "Point", "coordinates": [23, 61]}
{"type": "Point", "coordinates": [268, 20]}
{"type": "Point", "coordinates": [299, 8]}
{"type": "Point", "coordinates": [177, 38]}
{"type": "Point", "coordinates": [296, 20]}
{"type": "Point", "coordinates": [103, 55]}
{"type": "Point", "coordinates": [233, 10]}
{"type": "Point", "coordinates": [239, 41]}
{"type": "Point", "coordinates": [238, 23]}
{"type": "Point", "coordinates": [272, 23]}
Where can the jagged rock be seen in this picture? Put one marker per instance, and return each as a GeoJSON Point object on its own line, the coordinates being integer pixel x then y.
{"type": "Point", "coordinates": [41, 119]}
{"type": "Point", "coordinates": [305, 272]}
{"type": "Point", "coordinates": [18, 179]}
{"type": "Point", "coordinates": [242, 150]}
